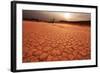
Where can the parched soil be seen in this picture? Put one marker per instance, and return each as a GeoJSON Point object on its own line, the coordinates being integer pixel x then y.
{"type": "Point", "coordinates": [44, 41]}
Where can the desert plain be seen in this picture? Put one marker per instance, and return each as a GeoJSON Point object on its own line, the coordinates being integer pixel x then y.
{"type": "Point", "coordinates": [43, 42]}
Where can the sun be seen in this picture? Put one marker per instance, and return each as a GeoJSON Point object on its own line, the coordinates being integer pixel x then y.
{"type": "Point", "coordinates": [67, 15]}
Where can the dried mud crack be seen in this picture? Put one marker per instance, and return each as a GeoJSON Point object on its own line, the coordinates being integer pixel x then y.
{"type": "Point", "coordinates": [55, 42]}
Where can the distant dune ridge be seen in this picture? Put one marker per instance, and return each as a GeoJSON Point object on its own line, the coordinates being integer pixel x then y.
{"type": "Point", "coordinates": [55, 41]}
{"type": "Point", "coordinates": [82, 23]}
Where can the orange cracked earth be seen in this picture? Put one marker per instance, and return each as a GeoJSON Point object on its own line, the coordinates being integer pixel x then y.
{"type": "Point", "coordinates": [44, 41]}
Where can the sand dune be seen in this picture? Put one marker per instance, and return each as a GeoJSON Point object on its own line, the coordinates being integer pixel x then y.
{"type": "Point", "coordinates": [44, 41]}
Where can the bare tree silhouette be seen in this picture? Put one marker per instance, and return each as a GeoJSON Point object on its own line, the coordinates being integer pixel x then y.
{"type": "Point", "coordinates": [52, 20]}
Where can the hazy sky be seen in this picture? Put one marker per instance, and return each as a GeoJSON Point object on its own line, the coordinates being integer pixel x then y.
{"type": "Point", "coordinates": [58, 16]}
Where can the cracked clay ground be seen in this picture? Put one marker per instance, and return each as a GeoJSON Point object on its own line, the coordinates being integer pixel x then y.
{"type": "Point", "coordinates": [55, 42]}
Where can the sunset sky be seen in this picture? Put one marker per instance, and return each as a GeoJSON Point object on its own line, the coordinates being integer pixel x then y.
{"type": "Point", "coordinates": [58, 16]}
